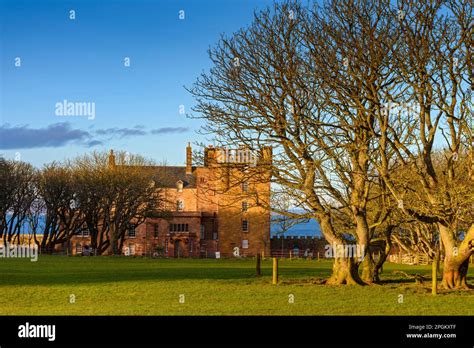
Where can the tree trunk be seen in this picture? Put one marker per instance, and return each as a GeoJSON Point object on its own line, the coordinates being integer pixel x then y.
{"type": "Point", "coordinates": [369, 270]}
{"type": "Point", "coordinates": [371, 267]}
{"type": "Point", "coordinates": [345, 271]}
{"type": "Point", "coordinates": [456, 261]}
{"type": "Point", "coordinates": [383, 257]}
{"type": "Point", "coordinates": [113, 248]}
{"type": "Point", "coordinates": [455, 273]}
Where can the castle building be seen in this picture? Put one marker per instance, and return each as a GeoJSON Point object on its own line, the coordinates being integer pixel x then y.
{"type": "Point", "coordinates": [213, 210]}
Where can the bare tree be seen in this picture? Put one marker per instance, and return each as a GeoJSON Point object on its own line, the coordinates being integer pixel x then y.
{"type": "Point", "coordinates": [308, 84]}
{"type": "Point", "coordinates": [115, 192]}
{"type": "Point", "coordinates": [17, 194]}
{"type": "Point", "coordinates": [92, 183]}
{"type": "Point", "coordinates": [56, 188]}
{"type": "Point", "coordinates": [434, 65]}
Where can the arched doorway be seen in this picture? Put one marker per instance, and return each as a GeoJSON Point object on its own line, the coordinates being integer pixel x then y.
{"type": "Point", "coordinates": [178, 248]}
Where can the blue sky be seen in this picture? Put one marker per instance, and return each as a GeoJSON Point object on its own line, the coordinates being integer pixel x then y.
{"type": "Point", "coordinates": [137, 108]}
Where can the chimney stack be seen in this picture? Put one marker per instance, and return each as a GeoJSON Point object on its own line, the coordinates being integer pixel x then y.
{"type": "Point", "coordinates": [111, 159]}
{"type": "Point", "coordinates": [266, 155]}
{"type": "Point", "coordinates": [189, 159]}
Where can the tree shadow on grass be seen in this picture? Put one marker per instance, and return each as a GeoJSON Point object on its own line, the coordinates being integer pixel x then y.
{"type": "Point", "coordinates": [397, 281]}
{"type": "Point", "coordinates": [70, 270]}
{"type": "Point", "coordinates": [427, 280]}
{"type": "Point", "coordinates": [65, 274]}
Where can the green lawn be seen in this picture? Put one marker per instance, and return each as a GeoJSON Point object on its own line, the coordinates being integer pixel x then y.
{"type": "Point", "coordinates": [143, 286]}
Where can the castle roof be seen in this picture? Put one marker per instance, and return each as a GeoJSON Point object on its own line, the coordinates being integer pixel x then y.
{"type": "Point", "coordinates": [168, 176]}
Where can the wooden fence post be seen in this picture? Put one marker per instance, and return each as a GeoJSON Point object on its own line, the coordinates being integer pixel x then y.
{"type": "Point", "coordinates": [434, 274]}
{"type": "Point", "coordinates": [258, 265]}
{"type": "Point", "coordinates": [275, 271]}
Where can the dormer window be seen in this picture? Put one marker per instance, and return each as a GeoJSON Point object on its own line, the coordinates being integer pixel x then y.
{"type": "Point", "coordinates": [179, 186]}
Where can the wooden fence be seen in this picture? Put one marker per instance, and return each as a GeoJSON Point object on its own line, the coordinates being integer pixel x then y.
{"type": "Point", "coordinates": [415, 259]}
{"type": "Point", "coordinates": [410, 259]}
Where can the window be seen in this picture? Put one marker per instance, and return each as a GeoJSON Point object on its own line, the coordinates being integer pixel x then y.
{"type": "Point", "coordinates": [83, 231]}
{"type": "Point", "coordinates": [203, 232]}
{"type": "Point", "coordinates": [131, 231]}
{"type": "Point", "coordinates": [180, 205]}
{"type": "Point", "coordinates": [179, 186]}
{"type": "Point", "coordinates": [179, 228]}
{"type": "Point", "coordinates": [245, 244]}
{"type": "Point", "coordinates": [78, 248]}
{"type": "Point", "coordinates": [245, 186]}
{"type": "Point", "coordinates": [245, 225]}
{"type": "Point", "coordinates": [156, 230]}
{"type": "Point", "coordinates": [245, 206]}
{"type": "Point", "coordinates": [214, 235]}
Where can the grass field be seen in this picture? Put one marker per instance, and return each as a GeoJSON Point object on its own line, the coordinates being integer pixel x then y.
{"type": "Point", "coordinates": [143, 286]}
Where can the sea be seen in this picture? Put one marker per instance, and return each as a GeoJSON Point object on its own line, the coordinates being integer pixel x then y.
{"type": "Point", "coordinates": [308, 228]}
